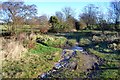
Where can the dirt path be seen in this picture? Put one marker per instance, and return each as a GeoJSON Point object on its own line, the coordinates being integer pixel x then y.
{"type": "Point", "coordinates": [73, 60]}
{"type": "Point", "coordinates": [84, 62]}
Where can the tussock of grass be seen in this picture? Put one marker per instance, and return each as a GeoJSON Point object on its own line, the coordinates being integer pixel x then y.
{"type": "Point", "coordinates": [71, 42]}
{"type": "Point", "coordinates": [58, 42]}
{"type": "Point", "coordinates": [12, 49]}
{"type": "Point", "coordinates": [38, 60]}
{"type": "Point", "coordinates": [52, 41]}
{"type": "Point", "coordinates": [84, 42]}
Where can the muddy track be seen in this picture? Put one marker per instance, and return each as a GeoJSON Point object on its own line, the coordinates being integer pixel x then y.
{"type": "Point", "coordinates": [86, 62]}
{"type": "Point", "coordinates": [94, 70]}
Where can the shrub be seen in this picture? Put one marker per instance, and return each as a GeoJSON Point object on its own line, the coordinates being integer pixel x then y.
{"type": "Point", "coordinates": [31, 44]}
{"type": "Point", "coordinates": [84, 42]}
{"type": "Point", "coordinates": [57, 42]}
{"type": "Point", "coordinates": [44, 29]}
{"type": "Point", "coordinates": [13, 50]}
{"type": "Point", "coordinates": [72, 42]}
{"type": "Point", "coordinates": [82, 25]}
{"type": "Point", "coordinates": [96, 39]}
{"type": "Point", "coordinates": [113, 46]}
{"type": "Point", "coordinates": [52, 41]}
{"type": "Point", "coordinates": [45, 38]}
{"type": "Point", "coordinates": [118, 46]}
{"type": "Point", "coordinates": [60, 27]}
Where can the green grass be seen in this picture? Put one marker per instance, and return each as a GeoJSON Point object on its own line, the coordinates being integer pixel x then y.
{"type": "Point", "coordinates": [106, 74]}
{"type": "Point", "coordinates": [110, 74]}
{"type": "Point", "coordinates": [2, 27]}
{"type": "Point", "coordinates": [84, 42]}
{"type": "Point", "coordinates": [70, 73]}
{"type": "Point", "coordinates": [108, 57]}
{"type": "Point", "coordinates": [50, 40]}
{"type": "Point", "coordinates": [27, 67]}
{"type": "Point", "coordinates": [41, 49]}
{"type": "Point", "coordinates": [111, 61]}
{"type": "Point", "coordinates": [42, 58]}
{"type": "Point", "coordinates": [58, 42]}
{"type": "Point", "coordinates": [38, 60]}
{"type": "Point", "coordinates": [71, 42]}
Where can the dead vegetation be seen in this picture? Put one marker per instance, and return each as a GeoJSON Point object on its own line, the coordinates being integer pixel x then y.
{"type": "Point", "coordinates": [12, 49]}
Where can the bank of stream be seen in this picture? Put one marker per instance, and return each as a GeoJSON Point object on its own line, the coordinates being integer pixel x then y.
{"type": "Point", "coordinates": [89, 64]}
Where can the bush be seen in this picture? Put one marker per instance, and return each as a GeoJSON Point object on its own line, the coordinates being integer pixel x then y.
{"type": "Point", "coordinates": [31, 44]}
{"type": "Point", "coordinates": [71, 42]}
{"type": "Point", "coordinates": [45, 38]}
{"type": "Point", "coordinates": [114, 46]}
{"type": "Point", "coordinates": [57, 42]}
{"type": "Point", "coordinates": [84, 42]}
{"type": "Point", "coordinates": [52, 41]}
{"type": "Point", "coordinates": [60, 27]}
{"type": "Point", "coordinates": [44, 29]}
{"type": "Point", "coordinates": [12, 49]}
{"type": "Point", "coordinates": [82, 25]}
{"type": "Point", "coordinates": [118, 46]}
{"type": "Point", "coordinates": [96, 39]}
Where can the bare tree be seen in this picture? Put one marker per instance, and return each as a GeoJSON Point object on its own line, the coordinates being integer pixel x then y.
{"type": "Point", "coordinates": [43, 20]}
{"type": "Point", "coordinates": [71, 23]}
{"type": "Point", "coordinates": [82, 25]}
{"type": "Point", "coordinates": [68, 12]}
{"type": "Point", "coordinates": [116, 8]}
{"type": "Point", "coordinates": [111, 16]}
{"type": "Point", "coordinates": [60, 16]}
{"type": "Point", "coordinates": [0, 5]}
{"type": "Point", "coordinates": [44, 24]}
{"type": "Point", "coordinates": [89, 16]}
{"type": "Point", "coordinates": [13, 12]}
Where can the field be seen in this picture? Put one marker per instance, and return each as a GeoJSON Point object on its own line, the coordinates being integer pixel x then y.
{"type": "Point", "coordinates": [52, 40]}
{"type": "Point", "coordinates": [42, 56]}
{"type": "Point", "coordinates": [102, 47]}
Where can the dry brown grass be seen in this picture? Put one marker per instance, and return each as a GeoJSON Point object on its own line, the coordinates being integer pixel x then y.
{"type": "Point", "coordinates": [0, 59]}
{"type": "Point", "coordinates": [12, 49]}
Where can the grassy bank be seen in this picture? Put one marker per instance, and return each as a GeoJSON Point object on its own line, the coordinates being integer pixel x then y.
{"type": "Point", "coordinates": [43, 55]}
{"type": "Point", "coordinates": [37, 60]}
{"type": "Point", "coordinates": [111, 66]}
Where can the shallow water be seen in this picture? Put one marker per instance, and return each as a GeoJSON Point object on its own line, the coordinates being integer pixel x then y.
{"type": "Point", "coordinates": [63, 62]}
{"type": "Point", "coordinates": [77, 48]}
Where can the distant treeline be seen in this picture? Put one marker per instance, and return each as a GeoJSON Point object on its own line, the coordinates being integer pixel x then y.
{"type": "Point", "coordinates": [17, 14]}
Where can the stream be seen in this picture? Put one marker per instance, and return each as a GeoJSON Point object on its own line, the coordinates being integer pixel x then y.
{"type": "Point", "coordinates": [64, 62]}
